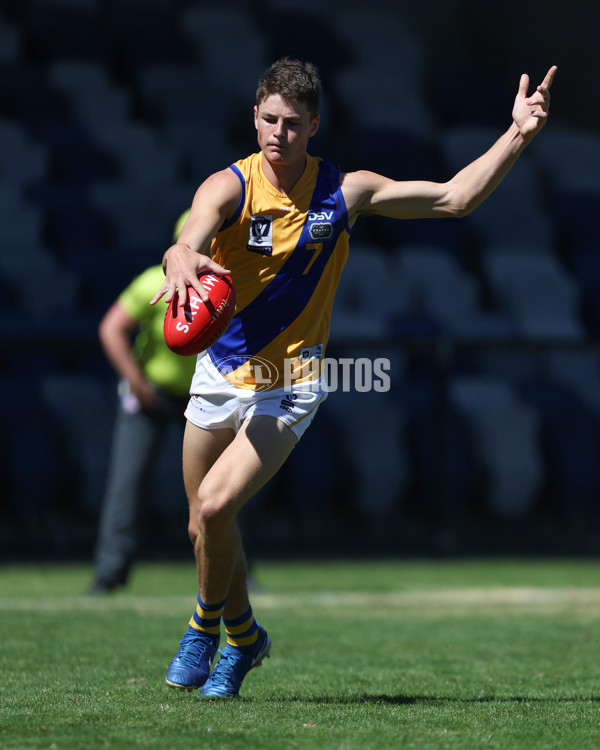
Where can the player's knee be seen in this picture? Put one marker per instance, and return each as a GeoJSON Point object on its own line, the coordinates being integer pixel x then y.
{"type": "Point", "coordinates": [214, 510]}
{"type": "Point", "coordinates": [213, 518]}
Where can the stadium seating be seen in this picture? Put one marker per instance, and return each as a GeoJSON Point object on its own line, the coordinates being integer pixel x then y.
{"type": "Point", "coordinates": [31, 485]}
{"type": "Point", "coordinates": [506, 436]}
{"type": "Point", "coordinates": [23, 160]}
{"type": "Point", "coordinates": [570, 435]}
{"type": "Point", "coordinates": [569, 158]}
{"type": "Point", "coordinates": [10, 42]}
{"type": "Point", "coordinates": [440, 446]}
{"type": "Point", "coordinates": [579, 371]}
{"type": "Point", "coordinates": [435, 283]}
{"type": "Point", "coordinates": [205, 26]}
{"type": "Point", "coordinates": [367, 276]}
{"type": "Point", "coordinates": [515, 211]}
{"type": "Point", "coordinates": [378, 484]}
{"type": "Point", "coordinates": [96, 101]}
{"type": "Point", "coordinates": [541, 299]}
{"type": "Point", "coordinates": [82, 406]}
{"type": "Point", "coordinates": [107, 126]}
{"type": "Point", "coordinates": [64, 28]}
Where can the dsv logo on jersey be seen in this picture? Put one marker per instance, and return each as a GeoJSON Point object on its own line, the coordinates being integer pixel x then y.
{"type": "Point", "coordinates": [320, 227]}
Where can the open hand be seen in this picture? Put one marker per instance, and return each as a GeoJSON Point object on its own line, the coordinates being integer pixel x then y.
{"type": "Point", "coordinates": [182, 266]}
{"type": "Point", "coordinates": [531, 112]}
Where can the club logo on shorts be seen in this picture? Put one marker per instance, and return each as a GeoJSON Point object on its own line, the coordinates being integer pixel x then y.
{"type": "Point", "coordinates": [260, 236]}
{"type": "Point", "coordinates": [287, 403]}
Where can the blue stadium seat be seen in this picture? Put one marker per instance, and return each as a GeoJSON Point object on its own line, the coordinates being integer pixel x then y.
{"type": "Point", "coordinates": [315, 476]}
{"type": "Point", "coordinates": [368, 296]}
{"type": "Point", "coordinates": [180, 91]}
{"type": "Point", "coordinates": [536, 292]}
{"type": "Point", "coordinates": [571, 438]}
{"type": "Point", "coordinates": [585, 262]}
{"type": "Point", "coordinates": [513, 364]}
{"type": "Point", "coordinates": [375, 100]}
{"type": "Point", "coordinates": [322, 46]}
{"type": "Point", "coordinates": [94, 99]}
{"type": "Point", "coordinates": [579, 370]}
{"type": "Point", "coordinates": [10, 42]}
{"type": "Point", "coordinates": [23, 159]}
{"type": "Point", "coordinates": [462, 97]}
{"type": "Point", "coordinates": [141, 217]}
{"type": "Point", "coordinates": [506, 435]}
{"type": "Point", "coordinates": [27, 97]}
{"type": "Point", "coordinates": [515, 210]}
{"type": "Point", "coordinates": [376, 453]}
{"type": "Point", "coordinates": [379, 40]}
{"type": "Point", "coordinates": [21, 226]}
{"type": "Point", "coordinates": [141, 154]}
{"type": "Point", "coordinates": [51, 290]}
{"type": "Point", "coordinates": [31, 485]}
{"type": "Point", "coordinates": [64, 28]}
{"type": "Point", "coordinates": [83, 407]}
{"type": "Point", "coordinates": [569, 158]}
{"type": "Point", "coordinates": [574, 211]}
{"type": "Point", "coordinates": [134, 44]}
{"type": "Point", "coordinates": [444, 474]}
{"type": "Point", "coordinates": [205, 26]}
{"type": "Point", "coordinates": [399, 155]}
{"type": "Point", "coordinates": [436, 284]}
{"type": "Point", "coordinates": [76, 156]}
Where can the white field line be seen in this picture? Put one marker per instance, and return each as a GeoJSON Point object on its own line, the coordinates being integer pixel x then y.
{"type": "Point", "coordinates": [513, 598]}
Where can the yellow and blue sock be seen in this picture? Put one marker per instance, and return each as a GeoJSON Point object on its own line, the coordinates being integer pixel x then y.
{"type": "Point", "coordinates": [242, 632]}
{"type": "Point", "coordinates": [207, 618]}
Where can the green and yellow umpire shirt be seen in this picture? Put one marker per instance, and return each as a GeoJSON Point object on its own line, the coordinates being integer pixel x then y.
{"type": "Point", "coordinates": [169, 371]}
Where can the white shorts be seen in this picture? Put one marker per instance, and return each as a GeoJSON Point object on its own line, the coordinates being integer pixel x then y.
{"type": "Point", "coordinates": [215, 403]}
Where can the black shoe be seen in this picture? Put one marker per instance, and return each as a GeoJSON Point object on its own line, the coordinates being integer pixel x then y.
{"type": "Point", "coordinates": [98, 588]}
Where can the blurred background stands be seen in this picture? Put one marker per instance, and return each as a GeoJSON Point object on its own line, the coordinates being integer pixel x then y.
{"type": "Point", "coordinates": [111, 114]}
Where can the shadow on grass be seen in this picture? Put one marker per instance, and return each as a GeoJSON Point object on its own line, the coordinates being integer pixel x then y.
{"type": "Point", "coordinates": [409, 700]}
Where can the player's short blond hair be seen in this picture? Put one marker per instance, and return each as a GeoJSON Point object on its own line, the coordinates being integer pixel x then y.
{"type": "Point", "coordinates": [294, 81]}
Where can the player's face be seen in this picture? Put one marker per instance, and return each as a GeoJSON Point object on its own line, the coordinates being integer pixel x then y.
{"type": "Point", "coordinates": [283, 129]}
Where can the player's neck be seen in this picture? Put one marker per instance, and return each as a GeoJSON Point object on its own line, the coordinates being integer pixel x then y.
{"type": "Point", "coordinates": [283, 177]}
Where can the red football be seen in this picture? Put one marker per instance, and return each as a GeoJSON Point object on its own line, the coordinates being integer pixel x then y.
{"type": "Point", "coordinates": [194, 327]}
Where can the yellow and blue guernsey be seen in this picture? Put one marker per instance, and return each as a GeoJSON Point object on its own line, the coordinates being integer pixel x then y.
{"type": "Point", "coordinates": [286, 254]}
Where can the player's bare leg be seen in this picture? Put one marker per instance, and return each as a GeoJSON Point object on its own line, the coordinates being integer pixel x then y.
{"type": "Point", "coordinates": [247, 463]}
{"type": "Point", "coordinates": [191, 665]}
{"type": "Point", "coordinates": [201, 449]}
{"type": "Point", "coordinates": [255, 455]}
{"type": "Point", "coordinates": [221, 473]}
{"type": "Point", "coordinates": [205, 448]}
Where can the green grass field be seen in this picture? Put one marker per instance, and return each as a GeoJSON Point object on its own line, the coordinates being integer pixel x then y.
{"type": "Point", "coordinates": [445, 655]}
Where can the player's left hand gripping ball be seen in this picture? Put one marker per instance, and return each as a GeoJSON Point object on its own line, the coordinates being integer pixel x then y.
{"type": "Point", "coordinates": [194, 327]}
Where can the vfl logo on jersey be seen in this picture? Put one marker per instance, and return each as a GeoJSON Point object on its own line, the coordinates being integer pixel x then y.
{"type": "Point", "coordinates": [320, 227]}
{"type": "Point", "coordinates": [260, 237]}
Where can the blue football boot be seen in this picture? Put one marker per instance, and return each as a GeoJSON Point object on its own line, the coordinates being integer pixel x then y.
{"type": "Point", "coordinates": [191, 664]}
{"type": "Point", "coordinates": [226, 678]}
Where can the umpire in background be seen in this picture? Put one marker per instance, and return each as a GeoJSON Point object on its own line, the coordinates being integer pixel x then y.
{"type": "Point", "coordinates": [153, 391]}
